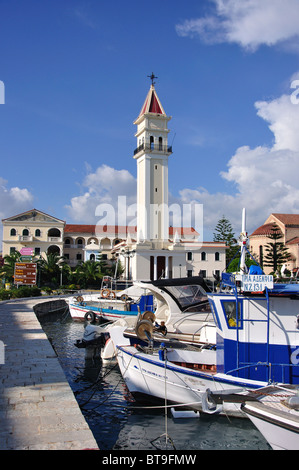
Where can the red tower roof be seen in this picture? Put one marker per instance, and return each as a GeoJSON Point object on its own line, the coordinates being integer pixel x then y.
{"type": "Point", "coordinates": [152, 103]}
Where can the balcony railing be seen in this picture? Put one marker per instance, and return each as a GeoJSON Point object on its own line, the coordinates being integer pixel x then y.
{"type": "Point", "coordinates": [25, 238]}
{"type": "Point", "coordinates": [153, 148]}
{"type": "Point", "coordinates": [55, 239]}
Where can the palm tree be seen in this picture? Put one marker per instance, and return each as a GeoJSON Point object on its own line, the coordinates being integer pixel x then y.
{"type": "Point", "coordinates": [8, 268]}
{"type": "Point", "coordinates": [88, 273]}
{"type": "Point", "coordinates": [51, 268]}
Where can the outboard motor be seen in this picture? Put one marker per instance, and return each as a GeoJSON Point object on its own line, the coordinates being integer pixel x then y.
{"type": "Point", "coordinates": [94, 339]}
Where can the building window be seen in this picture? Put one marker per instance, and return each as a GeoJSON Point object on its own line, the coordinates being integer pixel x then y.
{"type": "Point", "coordinates": [189, 272]}
{"type": "Point", "coordinates": [160, 143]}
{"type": "Point", "coordinates": [37, 232]}
{"type": "Point", "coordinates": [25, 232]}
{"type": "Point", "coordinates": [79, 257]}
{"type": "Point", "coordinates": [12, 250]}
{"type": "Point", "coordinates": [66, 255]}
{"type": "Point", "coordinates": [151, 142]}
{"type": "Point", "coordinates": [36, 251]}
{"type": "Point", "coordinates": [261, 254]}
{"type": "Point", "coordinates": [13, 232]}
{"type": "Point", "coordinates": [217, 256]}
{"type": "Point", "coordinates": [189, 256]}
{"type": "Point", "coordinates": [203, 256]}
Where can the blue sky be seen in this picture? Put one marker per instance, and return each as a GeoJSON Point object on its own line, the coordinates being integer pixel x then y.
{"type": "Point", "coordinates": [76, 75]}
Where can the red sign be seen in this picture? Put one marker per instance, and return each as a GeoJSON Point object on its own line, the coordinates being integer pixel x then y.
{"type": "Point", "coordinates": [25, 273]}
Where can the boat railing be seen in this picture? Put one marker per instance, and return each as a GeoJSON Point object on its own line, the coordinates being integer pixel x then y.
{"type": "Point", "coordinates": [270, 365]}
{"type": "Point", "coordinates": [204, 322]}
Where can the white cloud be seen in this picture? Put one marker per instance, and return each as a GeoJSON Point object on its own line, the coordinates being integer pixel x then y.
{"type": "Point", "coordinates": [249, 23]}
{"type": "Point", "coordinates": [13, 200]}
{"type": "Point", "coordinates": [264, 179]}
{"type": "Point", "coordinates": [102, 187]}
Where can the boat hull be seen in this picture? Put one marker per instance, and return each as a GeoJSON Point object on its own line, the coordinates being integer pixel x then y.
{"type": "Point", "coordinates": [113, 313]}
{"type": "Point", "coordinates": [147, 375]}
{"type": "Point", "coordinates": [281, 431]}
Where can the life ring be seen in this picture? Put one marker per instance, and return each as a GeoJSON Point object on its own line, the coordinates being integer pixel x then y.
{"type": "Point", "coordinates": [105, 293]}
{"type": "Point", "coordinates": [90, 316]}
{"type": "Point", "coordinates": [79, 298]}
{"type": "Point", "coordinates": [112, 295]}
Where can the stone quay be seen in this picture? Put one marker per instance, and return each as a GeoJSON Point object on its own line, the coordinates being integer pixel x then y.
{"type": "Point", "coordinates": [38, 410]}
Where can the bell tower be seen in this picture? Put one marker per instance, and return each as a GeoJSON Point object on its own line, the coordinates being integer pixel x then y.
{"type": "Point", "coordinates": [151, 155]}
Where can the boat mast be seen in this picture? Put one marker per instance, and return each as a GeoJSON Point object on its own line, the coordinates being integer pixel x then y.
{"type": "Point", "coordinates": [243, 239]}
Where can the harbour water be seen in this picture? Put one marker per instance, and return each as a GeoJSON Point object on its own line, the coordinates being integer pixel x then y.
{"type": "Point", "coordinates": [119, 423]}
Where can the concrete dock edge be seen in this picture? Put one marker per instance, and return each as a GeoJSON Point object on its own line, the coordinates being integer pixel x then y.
{"type": "Point", "coordinates": [38, 410]}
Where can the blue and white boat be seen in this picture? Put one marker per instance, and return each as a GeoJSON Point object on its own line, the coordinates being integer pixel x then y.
{"type": "Point", "coordinates": [110, 304]}
{"type": "Point", "coordinates": [257, 343]}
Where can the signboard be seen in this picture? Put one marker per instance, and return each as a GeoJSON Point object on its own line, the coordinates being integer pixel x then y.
{"type": "Point", "coordinates": [25, 273]}
{"type": "Point", "coordinates": [255, 282]}
{"type": "Point", "coordinates": [26, 259]}
{"type": "Point", "coordinates": [26, 251]}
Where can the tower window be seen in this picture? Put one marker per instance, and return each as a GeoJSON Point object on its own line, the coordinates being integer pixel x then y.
{"type": "Point", "coordinates": [160, 143]}
{"type": "Point", "coordinates": [151, 142]}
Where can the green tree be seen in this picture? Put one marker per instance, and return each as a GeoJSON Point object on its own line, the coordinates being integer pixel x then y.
{"type": "Point", "coordinates": [51, 269]}
{"type": "Point", "coordinates": [275, 251]}
{"type": "Point", "coordinates": [224, 233]}
{"type": "Point", "coordinates": [8, 268]}
{"type": "Point", "coordinates": [88, 273]}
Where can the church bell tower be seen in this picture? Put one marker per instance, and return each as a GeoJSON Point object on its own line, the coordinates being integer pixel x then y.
{"type": "Point", "coordinates": [151, 155]}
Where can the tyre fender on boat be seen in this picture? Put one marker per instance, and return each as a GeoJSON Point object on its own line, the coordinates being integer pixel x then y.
{"type": "Point", "coordinates": [90, 316]}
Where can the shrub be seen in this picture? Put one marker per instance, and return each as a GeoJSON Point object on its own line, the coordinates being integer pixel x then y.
{"type": "Point", "coordinates": [4, 294]}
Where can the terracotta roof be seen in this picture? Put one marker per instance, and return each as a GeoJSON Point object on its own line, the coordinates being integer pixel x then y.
{"type": "Point", "coordinates": [288, 219]}
{"type": "Point", "coordinates": [293, 241]}
{"type": "Point", "coordinates": [92, 229]}
{"type": "Point", "coordinates": [263, 230]}
{"type": "Point", "coordinates": [121, 229]}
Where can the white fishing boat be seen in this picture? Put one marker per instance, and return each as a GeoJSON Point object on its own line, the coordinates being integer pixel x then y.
{"type": "Point", "coordinates": [275, 413]}
{"type": "Point", "coordinates": [110, 304]}
{"type": "Point", "coordinates": [257, 339]}
{"type": "Point", "coordinates": [182, 313]}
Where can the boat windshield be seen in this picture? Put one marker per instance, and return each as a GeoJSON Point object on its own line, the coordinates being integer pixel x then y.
{"type": "Point", "coordinates": [187, 295]}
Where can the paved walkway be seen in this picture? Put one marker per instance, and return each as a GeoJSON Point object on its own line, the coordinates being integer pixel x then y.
{"type": "Point", "coordinates": [38, 410]}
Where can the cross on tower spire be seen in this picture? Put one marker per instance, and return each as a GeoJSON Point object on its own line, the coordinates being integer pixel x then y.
{"type": "Point", "coordinates": [152, 77]}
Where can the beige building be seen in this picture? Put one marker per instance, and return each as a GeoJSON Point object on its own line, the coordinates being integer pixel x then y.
{"type": "Point", "coordinates": [33, 229]}
{"type": "Point", "coordinates": [289, 226]}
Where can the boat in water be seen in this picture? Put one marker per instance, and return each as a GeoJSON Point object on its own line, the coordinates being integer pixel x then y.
{"type": "Point", "coordinates": [275, 414]}
{"type": "Point", "coordinates": [110, 304]}
{"type": "Point", "coordinates": [257, 338]}
{"type": "Point", "coordinates": [182, 313]}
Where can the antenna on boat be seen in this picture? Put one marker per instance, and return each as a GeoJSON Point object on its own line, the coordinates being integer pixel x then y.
{"type": "Point", "coordinates": [243, 239]}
